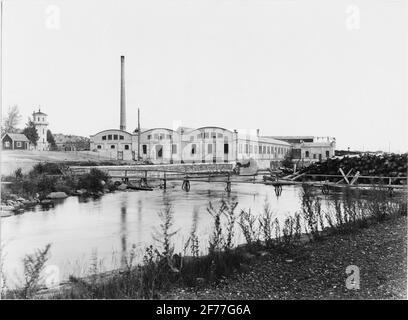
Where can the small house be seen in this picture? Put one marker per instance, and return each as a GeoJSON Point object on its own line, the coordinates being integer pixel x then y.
{"type": "Point", "coordinates": [15, 141]}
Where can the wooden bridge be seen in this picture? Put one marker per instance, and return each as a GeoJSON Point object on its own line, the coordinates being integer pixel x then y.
{"type": "Point", "coordinates": [225, 173]}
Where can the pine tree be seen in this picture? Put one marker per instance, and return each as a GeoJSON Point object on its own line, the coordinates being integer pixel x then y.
{"type": "Point", "coordinates": [31, 132]}
{"type": "Point", "coordinates": [51, 140]}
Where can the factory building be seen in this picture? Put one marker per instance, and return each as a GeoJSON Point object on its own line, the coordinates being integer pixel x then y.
{"type": "Point", "coordinates": [208, 144]}
{"type": "Point", "coordinates": [202, 145]}
{"type": "Point", "coordinates": [309, 148]}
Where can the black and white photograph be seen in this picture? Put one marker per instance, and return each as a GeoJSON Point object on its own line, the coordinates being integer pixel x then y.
{"type": "Point", "coordinates": [197, 150]}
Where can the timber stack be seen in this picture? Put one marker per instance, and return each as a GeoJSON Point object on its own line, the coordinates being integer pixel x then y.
{"type": "Point", "coordinates": [385, 165]}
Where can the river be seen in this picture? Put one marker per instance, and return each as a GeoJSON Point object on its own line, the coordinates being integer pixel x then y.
{"type": "Point", "coordinates": [106, 228]}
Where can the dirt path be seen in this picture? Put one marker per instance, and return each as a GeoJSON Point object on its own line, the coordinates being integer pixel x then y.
{"type": "Point", "coordinates": [318, 270]}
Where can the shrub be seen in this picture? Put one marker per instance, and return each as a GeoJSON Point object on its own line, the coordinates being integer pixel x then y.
{"type": "Point", "coordinates": [247, 223]}
{"type": "Point", "coordinates": [92, 180]}
{"type": "Point", "coordinates": [311, 210]}
{"type": "Point", "coordinates": [33, 267]}
{"type": "Point", "coordinates": [266, 222]}
{"type": "Point", "coordinates": [50, 168]}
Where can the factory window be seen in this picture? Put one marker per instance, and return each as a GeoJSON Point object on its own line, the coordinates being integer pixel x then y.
{"type": "Point", "coordinates": [109, 137]}
{"type": "Point", "coordinates": [306, 154]}
{"type": "Point", "coordinates": [209, 148]}
{"type": "Point", "coordinates": [103, 137]}
{"type": "Point", "coordinates": [219, 135]}
{"type": "Point", "coordinates": [327, 154]}
{"type": "Point", "coordinates": [121, 137]}
{"type": "Point", "coordinates": [149, 136]}
{"type": "Point", "coordinates": [193, 149]}
{"type": "Point", "coordinates": [226, 148]}
{"type": "Point", "coordinates": [126, 147]}
{"type": "Point", "coordinates": [115, 137]}
{"type": "Point", "coordinates": [112, 146]}
{"type": "Point", "coordinates": [99, 146]}
{"type": "Point", "coordinates": [174, 148]}
{"type": "Point", "coordinates": [144, 148]}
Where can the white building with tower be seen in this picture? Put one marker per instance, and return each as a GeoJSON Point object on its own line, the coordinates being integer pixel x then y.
{"type": "Point", "coordinates": [41, 124]}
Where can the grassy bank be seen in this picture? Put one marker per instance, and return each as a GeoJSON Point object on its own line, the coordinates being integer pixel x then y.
{"type": "Point", "coordinates": [11, 160]}
{"type": "Point", "coordinates": [45, 178]}
{"type": "Point", "coordinates": [164, 273]}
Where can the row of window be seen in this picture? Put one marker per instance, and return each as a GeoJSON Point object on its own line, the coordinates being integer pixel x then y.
{"type": "Point", "coordinates": [173, 148]}
{"type": "Point", "coordinates": [205, 135]}
{"type": "Point", "coordinates": [307, 154]}
{"type": "Point", "coordinates": [262, 149]}
{"type": "Point", "coordinates": [113, 137]}
{"type": "Point", "coordinates": [159, 136]}
{"type": "Point", "coordinates": [18, 144]}
{"type": "Point", "coordinates": [113, 146]}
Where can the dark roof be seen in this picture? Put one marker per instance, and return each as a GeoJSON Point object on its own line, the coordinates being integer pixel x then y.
{"type": "Point", "coordinates": [292, 137]}
{"type": "Point", "coordinates": [39, 113]}
{"type": "Point", "coordinates": [17, 137]}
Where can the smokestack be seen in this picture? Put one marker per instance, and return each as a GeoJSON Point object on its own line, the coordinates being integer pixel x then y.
{"type": "Point", "coordinates": [122, 94]}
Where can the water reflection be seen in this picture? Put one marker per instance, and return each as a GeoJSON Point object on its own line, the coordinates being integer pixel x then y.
{"type": "Point", "coordinates": [114, 222]}
{"type": "Point", "coordinates": [123, 229]}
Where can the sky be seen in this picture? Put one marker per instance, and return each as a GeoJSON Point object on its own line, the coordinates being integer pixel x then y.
{"type": "Point", "coordinates": [287, 67]}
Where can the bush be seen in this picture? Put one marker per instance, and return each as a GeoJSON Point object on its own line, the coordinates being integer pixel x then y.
{"type": "Point", "coordinates": [50, 168]}
{"type": "Point", "coordinates": [92, 180]}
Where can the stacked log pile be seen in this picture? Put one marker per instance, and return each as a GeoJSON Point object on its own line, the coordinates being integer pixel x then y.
{"type": "Point", "coordinates": [385, 165]}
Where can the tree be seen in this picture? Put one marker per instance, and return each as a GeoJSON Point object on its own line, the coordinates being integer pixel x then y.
{"type": "Point", "coordinates": [51, 140]}
{"type": "Point", "coordinates": [11, 120]}
{"type": "Point", "coordinates": [31, 132]}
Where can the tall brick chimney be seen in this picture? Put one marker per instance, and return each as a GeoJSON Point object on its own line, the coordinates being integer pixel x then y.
{"type": "Point", "coordinates": [122, 95]}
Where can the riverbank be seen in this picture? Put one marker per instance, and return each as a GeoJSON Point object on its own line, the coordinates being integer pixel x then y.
{"type": "Point", "coordinates": [49, 181]}
{"type": "Point", "coordinates": [317, 270]}
{"type": "Point", "coordinates": [304, 256]}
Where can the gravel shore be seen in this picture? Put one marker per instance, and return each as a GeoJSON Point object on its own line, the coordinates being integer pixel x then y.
{"type": "Point", "coordinates": [317, 270]}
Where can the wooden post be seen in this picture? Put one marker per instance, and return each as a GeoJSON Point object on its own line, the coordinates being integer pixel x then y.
{"type": "Point", "coordinates": [355, 178]}
{"type": "Point", "coordinates": [164, 181]}
{"type": "Point", "coordinates": [344, 176]}
{"type": "Point", "coordinates": [348, 173]}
